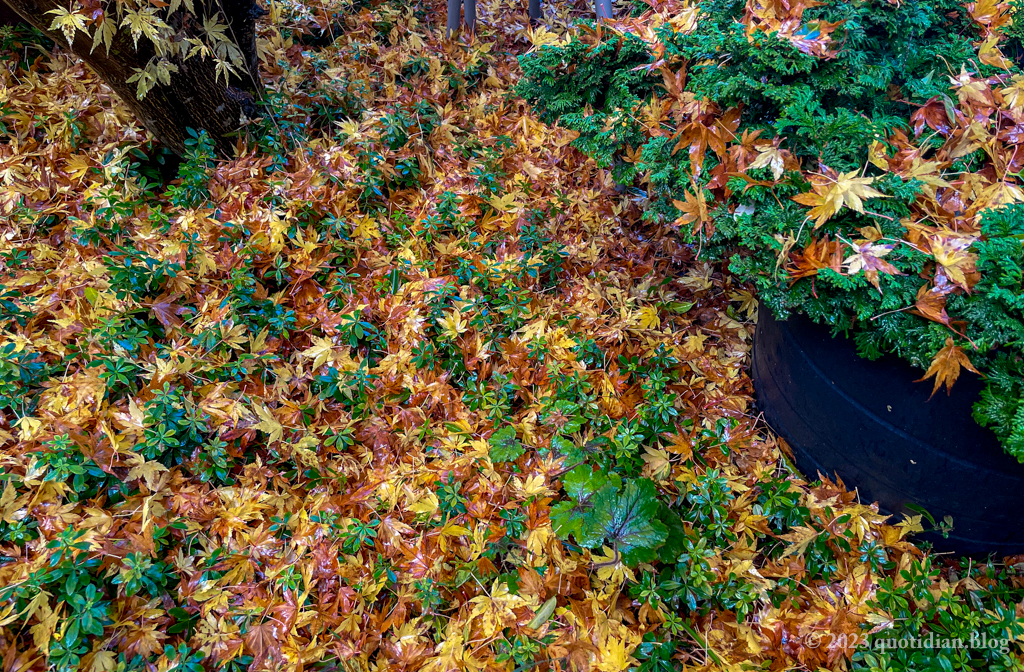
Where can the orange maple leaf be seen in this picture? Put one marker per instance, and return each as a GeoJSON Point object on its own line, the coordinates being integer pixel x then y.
{"type": "Point", "coordinates": [818, 254]}
{"type": "Point", "coordinates": [931, 303]}
{"type": "Point", "coordinates": [946, 366]}
{"type": "Point", "coordinates": [694, 210]}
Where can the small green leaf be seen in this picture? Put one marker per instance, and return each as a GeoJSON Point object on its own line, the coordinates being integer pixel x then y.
{"type": "Point", "coordinates": [947, 103]}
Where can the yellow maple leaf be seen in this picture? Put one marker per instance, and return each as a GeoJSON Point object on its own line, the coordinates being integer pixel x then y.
{"type": "Point", "coordinates": [68, 22]}
{"type": "Point", "coordinates": [8, 502]}
{"type": "Point", "coordinates": [365, 229]}
{"type": "Point", "coordinates": [140, 468]}
{"type": "Point", "coordinates": [802, 537]}
{"type": "Point", "coordinates": [320, 352]}
{"type": "Point", "coordinates": [615, 656]}
{"type": "Point", "coordinates": [77, 165]}
{"type": "Point", "coordinates": [952, 253]}
{"type": "Point", "coordinates": [1013, 94]}
{"type": "Point", "coordinates": [534, 486]}
{"type": "Point", "coordinates": [45, 627]}
{"type": "Point", "coordinates": [453, 324]}
{"type": "Point", "coordinates": [502, 203]}
{"type": "Point", "coordinates": [658, 463]}
{"type": "Point", "coordinates": [268, 423]}
{"type": "Point", "coordinates": [103, 661]}
{"type": "Point", "coordinates": [451, 654]}
{"type": "Point", "coordinates": [425, 506]}
{"type": "Point", "coordinates": [349, 128]}
{"type": "Point", "coordinates": [541, 36]}
{"type": "Point", "coordinates": [143, 21]}
{"type": "Point", "coordinates": [909, 525]}
{"type": "Point", "coordinates": [990, 54]}
{"type": "Point", "coordinates": [831, 191]}
{"type": "Point", "coordinates": [495, 611]}
{"type": "Point", "coordinates": [648, 317]}
{"type": "Point", "coordinates": [28, 427]}
{"type": "Point", "coordinates": [770, 157]}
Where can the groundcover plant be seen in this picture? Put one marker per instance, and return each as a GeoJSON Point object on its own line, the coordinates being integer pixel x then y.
{"type": "Point", "coordinates": [409, 382]}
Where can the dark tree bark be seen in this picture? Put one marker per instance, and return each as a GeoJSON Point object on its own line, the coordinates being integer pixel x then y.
{"type": "Point", "coordinates": [8, 17]}
{"type": "Point", "coordinates": [194, 99]}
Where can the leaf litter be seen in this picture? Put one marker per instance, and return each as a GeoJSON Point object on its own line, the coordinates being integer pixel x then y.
{"type": "Point", "coordinates": [357, 395]}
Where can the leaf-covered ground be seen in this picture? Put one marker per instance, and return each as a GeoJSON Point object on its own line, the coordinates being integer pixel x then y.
{"type": "Point", "coordinates": [342, 400]}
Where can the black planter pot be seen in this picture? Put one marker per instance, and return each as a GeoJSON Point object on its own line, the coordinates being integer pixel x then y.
{"type": "Point", "coordinates": [869, 423]}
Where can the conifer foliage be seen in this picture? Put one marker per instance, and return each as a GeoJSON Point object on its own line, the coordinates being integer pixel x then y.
{"type": "Point", "coordinates": [856, 161]}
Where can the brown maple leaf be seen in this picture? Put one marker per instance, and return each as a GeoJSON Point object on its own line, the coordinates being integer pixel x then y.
{"type": "Point", "coordinates": [936, 114]}
{"type": "Point", "coordinates": [263, 642]}
{"type": "Point", "coordinates": [946, 366]}
{"type": "Point", "coordinates": [931, 303]}
{"type": "Point", "coordinates": [167, 311]}
{"type": "Point", "coordinates": [694, 210]}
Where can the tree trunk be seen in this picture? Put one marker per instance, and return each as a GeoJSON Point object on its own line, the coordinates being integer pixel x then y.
{"type": "Point", "coordinates": [454, 15]}
{"type": "Point", "coordinates": [534, 11]}
{"type": "Point", "coordinates": [8, 17]}
{"type": "Point", "coordinates": [194, 99]}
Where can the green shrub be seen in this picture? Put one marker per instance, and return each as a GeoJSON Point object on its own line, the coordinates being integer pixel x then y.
{"type": "Point", "coordinates": [821, 155]}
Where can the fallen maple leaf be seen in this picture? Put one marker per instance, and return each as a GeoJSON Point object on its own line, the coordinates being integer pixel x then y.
{"type": "Point", "coordinates": [831, 191]}
{"type": "Point", "coordinates": [146, 470]}
{"type": "Point", "coordinates": [268, 423]}
{"type": "Point", "coordinates": [802, 537]}
{"type": "Point", "coordinates": [931, 304]}
{"type": "Point", "coordinates": [694, 210]}
{"type": "Point", "coordinates": [867, 257]}
{"type": "Point", "coordinates": [167, 311]}
{"type": "Point", "coordinates": [946, 366]}
{"type": "Point", "coordinates": [954, 256]}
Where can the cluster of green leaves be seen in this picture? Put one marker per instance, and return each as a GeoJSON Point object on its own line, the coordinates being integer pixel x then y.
{"type": "Point", "coordinates": [22, 375]}
{"type": "Point", "coordinates": [998, 304]}
{"type": "Point", "coordinates": [974, 629]}
{"type": "Point", "coordinates": [78, 580]}
{"type": "Point", "coordinates": [676, 540]}
{"type": "Point", "coordinates": [192, 187]}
